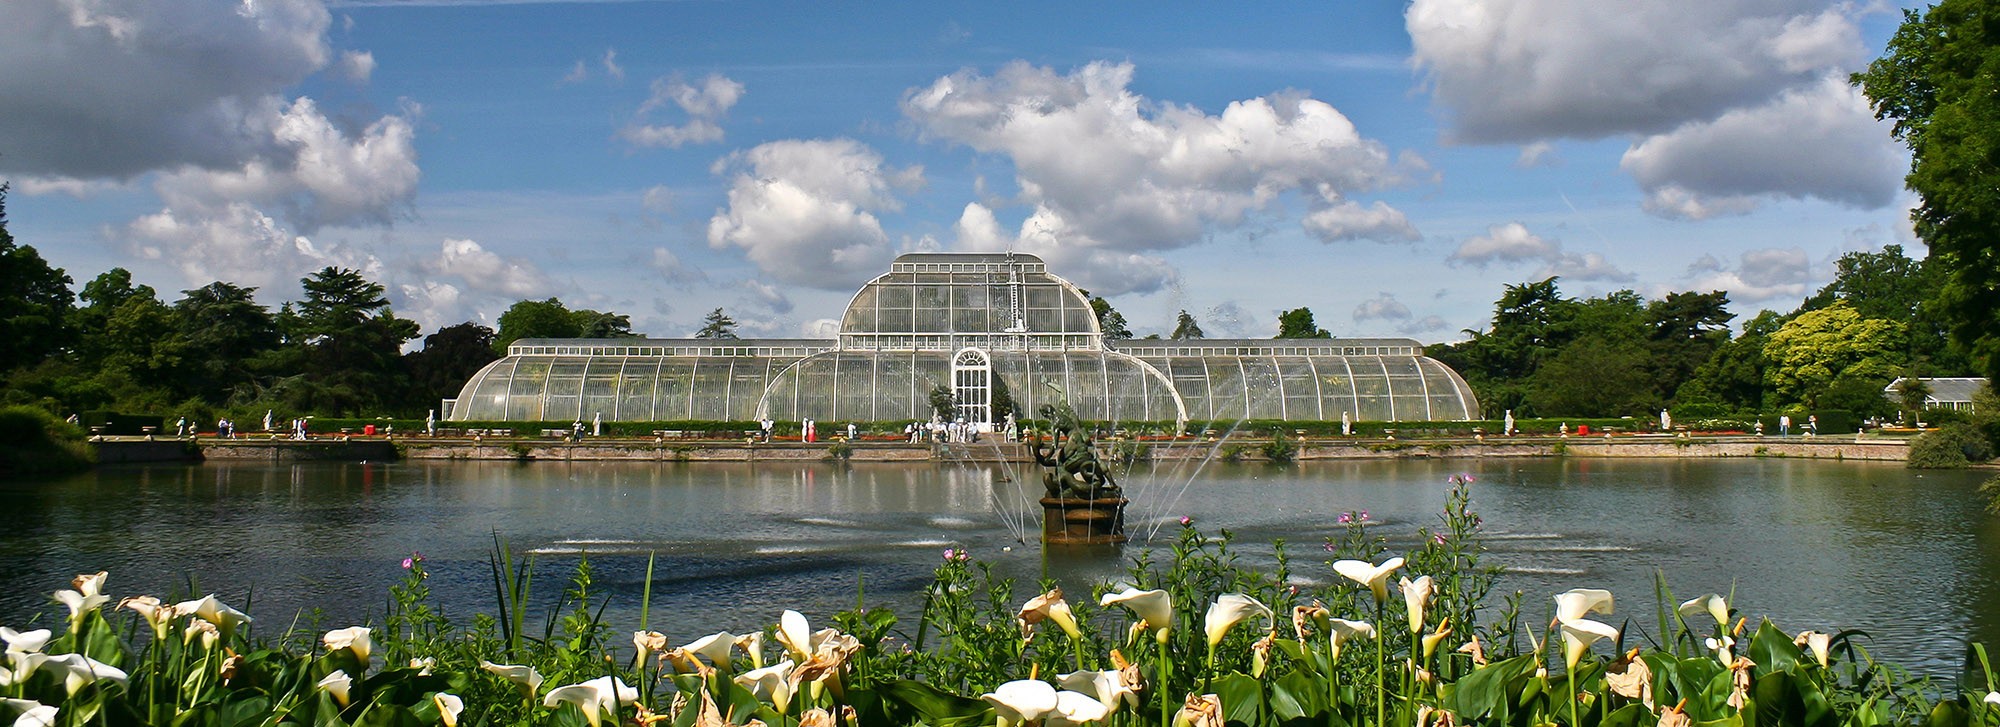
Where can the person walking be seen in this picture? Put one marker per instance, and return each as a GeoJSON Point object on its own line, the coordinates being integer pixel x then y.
{"type": "Point", "coordinates": [1784, 425]}
{"type": "Point", "coordinates": [852, 431]}
{"type": "Point", "coordinates": [181, 427]}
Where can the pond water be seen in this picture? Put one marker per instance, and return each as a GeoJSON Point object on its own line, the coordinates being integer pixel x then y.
{"type": "Point", "coordinates": [1908, 557]}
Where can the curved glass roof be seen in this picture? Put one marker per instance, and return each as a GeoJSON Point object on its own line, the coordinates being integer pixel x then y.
{"type": "Point", "coordinates": [949, 301]}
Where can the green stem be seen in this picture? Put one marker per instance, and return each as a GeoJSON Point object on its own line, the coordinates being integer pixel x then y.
{"type": "Point", "coordinates": [1571, 696]}
{"type": "Point", "coordinates": [1166, 712]}
{"type": "Point", "coordinates": [1381, 658]}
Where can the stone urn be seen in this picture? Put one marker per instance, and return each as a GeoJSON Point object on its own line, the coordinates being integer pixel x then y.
{"type": "Point", "coordinates": [1083, 521]}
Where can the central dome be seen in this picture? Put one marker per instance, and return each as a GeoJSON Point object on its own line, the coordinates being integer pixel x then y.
{"type": "Point", "coordinates": [948, 301]}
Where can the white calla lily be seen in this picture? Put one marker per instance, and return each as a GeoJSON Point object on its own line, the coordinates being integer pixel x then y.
{"type": "Point", "coordinates": [1819, 643]}
{"type": "Point", "coordinates": [214, 611]}
{"type": "Point", "coordinates": [645, 644]}
{"type": "Point", "coordinates": [449, 707]}
{"type": "Point", "coordinates": [1724, 648]}
{"type": "Point", "coordinates": [1075, 708]}
{"type": "Point", "coordinates": [1107, 686]}
{"type": "Point", "coordinates": [1052, 607]}
{"type": "Point", "coordinates": [716, 647]}
{"type": "Point", "coordinates": [595, 697]}
{"type": "Point", "coordinates": [753, 644]}
{"type": "Point", "coordinates": [352, 638]}
{"type": "Point", "coordinates": [795, 634]}
{"type": "Point", "coordinates": [1230, 609]}
{"type": "Point", "coordinates": [158, 615]}
{"type": "Point", "coordinates": [79, 670]}
{"type": "Point", "coordinates": [1576, 603]}
{"type": "Point", "coordinates": [1579, 634]}
{"type": "Point", "coordinates": [773, 684]}
{"type": "Point", "coordinates": [90, 584]}
{"type": "Point", "coordinates": [1154, 607]}
{"type": "Point", "coordinates": [1375, 577]}
{"type": "Point", "coordinates": [1417, 598]}
{"type": "Point", "coordinates": [525, 677]}
{"type": "Point", "coordinates": [31, 713]}
{"type": "Point", "coordinates": [1022, 701]}
{"type": "Point", "coordinates": [338, 684]}
{"type": "Point", "coordinates": [1714, 604]}
{"type": "Point", "coordinates": [1341, 631]}
{"type": "Point", "coordinates": [1992, 698]}
{"type": "Point", "coordinates": [25, 642]}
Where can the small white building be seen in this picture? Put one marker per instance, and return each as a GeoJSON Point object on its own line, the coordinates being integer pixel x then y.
{"type": "Point", "coordinates": [1954, 393]}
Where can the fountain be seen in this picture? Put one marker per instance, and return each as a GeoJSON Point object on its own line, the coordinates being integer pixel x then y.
{"type": "Point", "coordinates": [1083, 503]}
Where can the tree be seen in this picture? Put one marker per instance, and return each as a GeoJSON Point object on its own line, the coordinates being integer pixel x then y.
{"type": "Point", "coordinates": [346, 346]}
{"type": "Point", "coordinates": [717, 325]}
{"type": "Point", "coordinates": [1912, 391]}
{"type": "Point", "coordinates": [35, 302]}
{"type": "Point", "coordinates": [944, 402]}
{"type": "Point", "coordinates": [1733, 376]}
{"type": "Point", "coordinates": [1684, 330]}
{"type": "Point", "coordinates": [229, 336]}
{"type": "Point", "coordinates": [535, 319]}
{"type": "Point", "coordinates": [1593, 377]}
{"type": "Point", "coordinates": [1298, 323]}
{"type": "Point", "coordinates": [1935, 80]}
{"type": "Point", "coordinates": [1817, 348]}
{"type": "Point", "coordinates": [449, 358]}
{"type": "Point", "coordinates": [1109, 321]}
{"type": "Point", "coordinates": [1185, 328]}
{"type": "Point", "coordinates": [1890, 286]}
{"type": "Point", "coordinates": [596, 324]}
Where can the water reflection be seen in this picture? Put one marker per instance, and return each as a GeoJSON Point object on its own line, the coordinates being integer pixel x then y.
{"type": "Point", "coordinates": [1908, 557]}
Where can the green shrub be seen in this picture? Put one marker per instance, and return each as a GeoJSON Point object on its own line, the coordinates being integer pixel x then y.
{"type": "Point", "coordinates": [1280, 449]}
{"type": "Point", "coordinates": [35, 443]}
{"type": "Point", "coordinates": [1952, 446]}
{"type": "Point", "coordinates": [840, 451]}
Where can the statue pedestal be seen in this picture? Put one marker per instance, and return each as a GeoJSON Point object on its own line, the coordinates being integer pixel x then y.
{"type": "Point", "coordinates": [1081, 521]}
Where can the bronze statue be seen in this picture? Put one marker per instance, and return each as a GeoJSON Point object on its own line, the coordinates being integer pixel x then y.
{"type": "Point", "coordinates": [1071, 469]}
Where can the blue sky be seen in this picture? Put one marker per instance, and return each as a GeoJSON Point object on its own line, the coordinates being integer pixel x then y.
{"type": "Point", "coordinates": [1390, 165]}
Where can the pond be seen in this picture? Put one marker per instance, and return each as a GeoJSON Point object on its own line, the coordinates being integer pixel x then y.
{"type": "Point", "coordinates": [1907, 556]}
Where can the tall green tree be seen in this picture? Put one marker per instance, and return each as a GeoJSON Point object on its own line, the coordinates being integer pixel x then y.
{"type": "Point", "coordinates": [35, 302]}
{"type": "Point", "coordinates": [1109, 321]}
{"type": "Point", "coordinates": [536, 319]}
{"type": "Point", "coordinates": [1298, 323]}
{"type": "Point", "coordinates": [448, 359]}
{"type": "Point", "coordinates": [130, 344]}
{"type": "Point", "coordinates": [717, 325]}
{"type": "Point", "coordinates": [1733, 376]}
{"type": "Point", "coordinates": [1833, 347]}
{"type": "Point", "coordinates": [1936, 81]}
{"type": "Point", "coordinates": [230, 339]}
{"type": "Point", "coordinates": [1185, 327]}
{"type": "Point", "coordinates": [1888, 285]}
{"type": "Point", "coordinates": [347, 346]}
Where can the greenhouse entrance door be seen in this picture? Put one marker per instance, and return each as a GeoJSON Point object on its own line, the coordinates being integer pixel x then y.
{"type": "Point", "coordinates": [972, 386]}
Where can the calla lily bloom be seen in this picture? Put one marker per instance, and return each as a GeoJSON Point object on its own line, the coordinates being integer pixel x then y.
{"type": "Point", "coordinates": [79, 670]}
{"type": "Point", "coordinates": [204, 630]}
{"type": "Point", "coordinates": [1375, 577]}
{"type": "Point", "coordinates": [1075, 708]}
{"type": "Point", "coordinates": [1049, 606]}
{"type": "Point", "coordinates": [449, 706]}
{"type": "Point", "coordinates": [337, 684]}
{"type": "Point", "coordinates": [1341, 631]}
{"type": "Point", "coordinates": [646, 643]}
{"type": "Point", "coordinates": [1200, 711]}
{"type": "Point", "coordinates": [753, 644]}
{"type": "Point", "coordinates": [1579, 634]}
{"type": "Point", "coordinates": [424, 665]}
{"type": "Point", "coordinates": [1714, 604]}
{"type": "Point", "coordinates": [716, 647]}
{"type": "Point", "coordinates": [594, 697]}
{"type": "Point", "coordinates": [1111, 687]}
{"type": "Point", "coordinates": [1154, 607]}
{"type": "Point", "coordinates": [1477, 651]}
{"type": "Point", "coordinates": [796, 635]}
{"type": "Point", "coordinates": [207, 608]}
{"type": "Point", "coordinates": [31, 713]}
{"type": "Point", "coordinates": [1315, 614]}
{"type": "Point", "coordinates": [1724, 648]}
{"type": "Point", "coordinates": [24, 642]}
{"type": "Point", "coordinates": [1579, 602]}
{"type": "Point", "coordinates": [772, 684]}
{"type": "Point", "coordinates": [1818, 642]}
{"type": "Point", "coordinates": [1432, 639]}
{"type": "Point", "coordinates": [157, 614]}
{"type": "Point", "coordinates": [86, 598]}
{"type": "Point", "coordinates": [352, 638]}
{"type": "Point", "coordinates": [1992, 698]}
{"type": "Point", "coordinates": [90, 584]}
{"type": "Point", "coordinates": [1022, 701]}
{"type": "Point", "coordinates": [1229, 610]}
{"type": "Point", "coordinates": [525, 677]}
{"type": "Point", "coordinates": [1417, 597]}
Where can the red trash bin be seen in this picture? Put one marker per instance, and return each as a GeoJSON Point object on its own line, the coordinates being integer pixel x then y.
{"type": "Point", "coordinates": [1581, 429]}
{"type": "Point", "coordinates": [368, 430]}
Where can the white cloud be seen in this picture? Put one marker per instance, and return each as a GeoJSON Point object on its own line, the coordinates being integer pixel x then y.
{"type": "Point", "coordinates": [1351, 221]}
{"type": "Point", "coordinates": [116, 88]}
{"type": "Point", "coordinates": [820, 328]}
{"type": "Point", "coordinates": [1382, 307]}
{"type": "Point", "coordinates": [1537, 154]}
{"type": "Point", "coordinates": [237, 243]}
{"type": "Point", "coordinates": [804, 211]}
{"type": "Point", "coordinates": [577, 74]}
{"type": "Point", "coordinates": [1820, 141]}
{"type": "Point", "coordinates": [1760, 275]}
{"type": "Point", "coordinates": [1129, 174]}
{"type": "Point", "coordinates": [704, 104]}
{"type": "Point", "coordinates": [1527, 70]}
{"type": "Point", "coordinates": [1080, 259]}
{"type": "Point", "coordinates": [433, 304]}
{"type": "Point", "coordinates": [611, 67]}
{"type": "Point", "coordinates": [1512, 243]}
{"type": "Point", "coordinates": [768, 296]}
{"type": "Point", "coordinates": [485, 271]}
{"type": "Point", "coordinates": [658, 199]}
{"type": "Point", "coordinates": [670, 267]}
{"type": "Point", "coordinates": [316, 173]}
{"type": "Point", "coordinates": [1422, 325]}
{"type": "Point", "coordinates": [357, 66]}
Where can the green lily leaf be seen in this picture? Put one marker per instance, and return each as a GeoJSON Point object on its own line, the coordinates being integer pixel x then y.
{"type": "Point", "coordinates": [387, 715]}
{"type": "Point", "coordinates": [1948, 713]}
{"type": "Point", "coordinates": [939, 708]}
{"type": "Point", "coordinates": [1242, 698]}
{"type": "Point", "coordinates": [1772, 650]}
{"type": "Point", "coordinates": [1484, 691]}
{"type": "Point", "coordinates": [1298, 695]}
{"type": "Point", "coordinates": [1630, 715]}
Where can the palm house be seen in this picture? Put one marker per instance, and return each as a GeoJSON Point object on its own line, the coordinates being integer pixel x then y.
{"type": "Point", "coordinates": [982, 325]}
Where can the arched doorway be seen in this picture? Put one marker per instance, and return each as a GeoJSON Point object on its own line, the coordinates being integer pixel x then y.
{"type": "Point", "coordinates": [972, 385]}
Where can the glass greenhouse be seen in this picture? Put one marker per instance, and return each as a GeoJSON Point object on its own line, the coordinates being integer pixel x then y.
{"type": "Point", "coordinates": [989, 327]}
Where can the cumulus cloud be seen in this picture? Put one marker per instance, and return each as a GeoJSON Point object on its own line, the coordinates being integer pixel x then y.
{"type": "Point", "coordinates": [1045, 234]}
{"type": "Point", "coordinates": [1819, 141]}
{"type": "Point", "coordinates": [316, 173]}
{"type": "Point", "coordinates": [116, 88]}
{"type": "Point", "coordinates": [1126, 174]}
{"type": "Point", "coordinates": [1423, 325]}
{"type": "Point", "coordinates": [486, 271]}
{"type": "Point", "coordinates": [357, 66]}
{"type": "Point", "coordinates": [658, 200]}
{"type": "Point", "coordinates": [1759, 275]}
{"type": "Point", "coordinates": [820, 328]}
{"type": "Point", "coordinates": [1516, 71]}
{"type": "Point", "coordinates": [1512, 243]}
{"type": "Point", "coordinates": [704, 104]}
{"type": "Point", "coordinates": [1382, 307]}
{"type": "Point", "coordinates": [237, 243]}
{"type": "Point", "coordinates": [1538, 154]}
{"type": "Point", "coordinates": [670, 267]}
{"type": "Point", "coordinates": [804, 211]}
